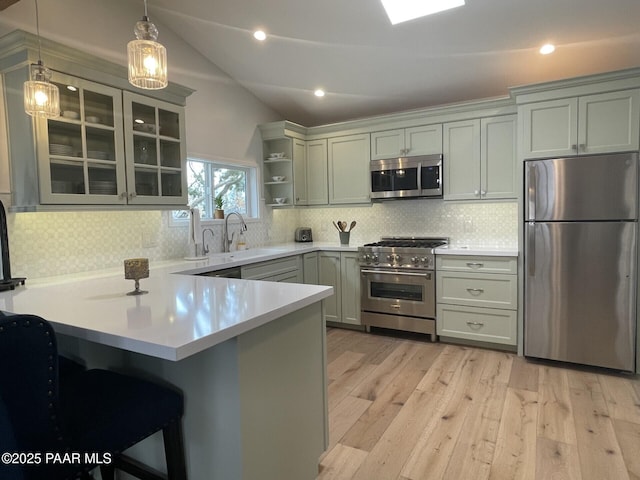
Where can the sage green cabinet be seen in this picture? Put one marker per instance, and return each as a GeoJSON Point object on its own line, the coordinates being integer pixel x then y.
{"type": "Point", "coordinates": [310, 268]}
{"type": "Point", "coordinates": [348, 157]}
{"type": "Point", "coordinates": [480, 159]}
{"type": "Point", "coordinates": [310, 172]}
{"type": "Point", "coordinates": [287, 269]}
{"type": "Point", "coordinates": [590, 124]}
{"type": "Point", "coordinates": [477, 298]}
{"type": "Point", "coordinates": [341, 271]}
{"type": "Point", "coordinates": [422, 140]}
{"type": "Point", "coordinates": [108, 147]}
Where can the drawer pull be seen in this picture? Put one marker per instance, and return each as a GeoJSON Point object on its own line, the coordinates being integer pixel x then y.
{"type": "Point", "coordinates": [475, 291]}
{"type": "Point", "coordinates": [475, 264]}
{"type": "Point", "coordinates": [475, 324]}
{"type": "Point", "coordinates": [397, 306]}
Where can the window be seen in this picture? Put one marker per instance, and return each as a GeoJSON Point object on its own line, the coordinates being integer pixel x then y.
{"type": "Point", "coordinates": [207, 179]}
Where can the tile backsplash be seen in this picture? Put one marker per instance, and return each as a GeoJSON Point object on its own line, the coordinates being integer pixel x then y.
{"type": "Point", "coordinates": [55, 243]}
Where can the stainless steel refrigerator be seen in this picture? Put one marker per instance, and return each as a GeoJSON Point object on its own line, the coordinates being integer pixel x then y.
{"type": "Point", "coordinates": [580, 259]}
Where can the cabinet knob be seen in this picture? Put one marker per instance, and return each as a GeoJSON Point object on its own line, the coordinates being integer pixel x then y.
{"type": "Point", "coordinates": [476, 193]}
{"type": "Point", "coordinates": [483, 192]}
{"type": "Point", "coordinates": [132, 195]}
{"type": "Point", "coordinates": [583, 147]}
{"type": "Point", "coordinates": [122, 196]}
{"type": "Point", "coordinates": [574, 147]}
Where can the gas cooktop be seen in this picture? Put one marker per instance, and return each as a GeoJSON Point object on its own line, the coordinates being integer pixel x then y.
{"type": "Point", "coordinates": [401, 252]}
{"type": "Point", "coordinates": [409, 242]}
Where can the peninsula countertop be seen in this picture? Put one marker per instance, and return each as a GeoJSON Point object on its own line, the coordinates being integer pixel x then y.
{"type": "Point", "coordinates": [182, 314]}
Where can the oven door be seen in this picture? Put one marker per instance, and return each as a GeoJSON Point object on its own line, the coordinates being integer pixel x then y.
{"type": "Point", "coordinates": [398, 293]}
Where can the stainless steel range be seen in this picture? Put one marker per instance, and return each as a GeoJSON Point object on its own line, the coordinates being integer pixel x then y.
{"type": "Point", "coordinates": [397, 277]}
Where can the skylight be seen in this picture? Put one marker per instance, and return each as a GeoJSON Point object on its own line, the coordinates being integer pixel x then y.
{"type": "Point", "coordinates": [400, 11]}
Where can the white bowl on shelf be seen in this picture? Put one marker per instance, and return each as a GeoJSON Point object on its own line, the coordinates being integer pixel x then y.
{"type": "Point", "coordinates": [93, 119]}
{"type": "Point", "coordinates": [273, 156]}
{"type": "Point", "coordinates": [278, 178]}
{"type": "Point", "coordinates": [71, 114]}
{"type": "Point", "coordinates": [280, 200]}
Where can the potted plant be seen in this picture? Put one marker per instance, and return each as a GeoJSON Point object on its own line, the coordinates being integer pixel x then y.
{"type": "Point", "coordinates": [219, 212]}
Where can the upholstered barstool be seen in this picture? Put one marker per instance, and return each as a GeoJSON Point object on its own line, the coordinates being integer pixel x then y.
{"type": "Point", "coordinates": [93, 411]}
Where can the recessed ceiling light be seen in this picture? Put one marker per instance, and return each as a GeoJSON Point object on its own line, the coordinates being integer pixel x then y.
{"type": "Point", "coordinates": [400, 11]}
{"type": "Point", "coordinates": [259, 35]}
{"type": "Point", "coordinates": [319, 93]}
{"type": "Point", "coordinates": [547, 48]}
{"type": "Point", "coordinates": [138, 120]}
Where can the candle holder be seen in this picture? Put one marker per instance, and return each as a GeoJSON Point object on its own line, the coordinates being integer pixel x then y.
{"type": "Point", "coordinates": [136, 269]}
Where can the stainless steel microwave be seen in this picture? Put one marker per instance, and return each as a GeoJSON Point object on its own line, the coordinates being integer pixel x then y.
{"type": "Point", "coordinates": [406, 177]}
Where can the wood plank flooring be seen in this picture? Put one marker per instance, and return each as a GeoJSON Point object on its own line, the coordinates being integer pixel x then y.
{"type": "Point", "coordinates": [403, 408]}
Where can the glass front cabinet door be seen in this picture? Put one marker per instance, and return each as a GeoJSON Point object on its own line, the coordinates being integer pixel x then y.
{"type": "Point", "coordinates": [155, 151]}
{"type": "Point", "coordinates": [81, 153]}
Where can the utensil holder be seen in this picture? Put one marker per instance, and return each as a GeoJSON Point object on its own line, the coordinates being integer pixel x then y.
{"type": "Point", "coordinates": [344, 238]}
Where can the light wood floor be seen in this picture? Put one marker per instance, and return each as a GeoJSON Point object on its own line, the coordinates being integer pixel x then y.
{"type": "Point", "coordinates": [401, 408]}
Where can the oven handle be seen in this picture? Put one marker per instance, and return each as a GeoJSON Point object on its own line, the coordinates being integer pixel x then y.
{"type": "Point", "coordinates": [384, 272]}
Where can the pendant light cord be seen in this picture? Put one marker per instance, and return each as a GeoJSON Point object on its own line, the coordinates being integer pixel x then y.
{"type": "Point", "coordinates": [146, 15]}
{"type": "Point", "coordinates": [38, 33]}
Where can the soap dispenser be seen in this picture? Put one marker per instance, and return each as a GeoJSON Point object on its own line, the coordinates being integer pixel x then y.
{"type": "Point", "coordinates": [242, 242]}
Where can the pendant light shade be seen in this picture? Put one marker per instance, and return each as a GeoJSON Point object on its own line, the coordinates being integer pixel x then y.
{"type": "Point", "coordinates": [147, 57]}
{"type": "Point", "coordinates": [41, 98]}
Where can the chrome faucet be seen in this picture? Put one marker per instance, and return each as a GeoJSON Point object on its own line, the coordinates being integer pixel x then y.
{"type": "Point", "coordinates": [205, 250]}
{"type": "Point", "coordinates": [226, 241]}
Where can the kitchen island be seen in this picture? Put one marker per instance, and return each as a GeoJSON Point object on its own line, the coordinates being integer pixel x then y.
{"type": "Point", "coordinates": [248, 355]}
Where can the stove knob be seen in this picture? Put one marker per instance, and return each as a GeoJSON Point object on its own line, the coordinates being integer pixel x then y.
{"type": "Point", "coordinates": [415, 260]}
{"type": "Point", "coordinates": [375, 258]}
{"type": "Point", "coordinates": [398, 258]}
{"type": "Point", "coordinates": [390, 258]}
{"type": "Point", "coordinates": [366, 258]}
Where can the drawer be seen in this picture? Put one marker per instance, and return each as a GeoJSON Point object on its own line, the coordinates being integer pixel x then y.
{"type": "Point", "coordinates": [271, 268]}
{"type": "Point", "coordinates": [476, 290]}
{"type": "Point", "coordinates": [480, 324]}
{"type": "Point", "coordinates": [469, 263]}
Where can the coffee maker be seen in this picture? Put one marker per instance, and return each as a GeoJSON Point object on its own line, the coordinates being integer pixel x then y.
{"type": "Point", "coordinates": [7, 282]}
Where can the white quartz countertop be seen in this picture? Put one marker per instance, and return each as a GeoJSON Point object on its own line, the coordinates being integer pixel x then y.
{"type": "Point", "coordinates": [477, 250]}
{"type": "Point", "coordinates": [181, 315]}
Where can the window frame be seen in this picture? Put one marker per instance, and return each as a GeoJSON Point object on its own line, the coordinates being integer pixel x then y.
{"type": "Point", "coordinates": [252, 193]}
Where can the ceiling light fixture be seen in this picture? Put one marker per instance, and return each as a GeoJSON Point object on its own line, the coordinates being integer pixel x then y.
{"type": "Point", "coordinates": [319, 93]}
{"type": "Point", "coordinates": [400, 11]}
{"type": "Point", "coordinates": [547, 48]}
{"type": "Point", "coordinates": [147, 57]}
{"type": "Point", "coordinates": [259, 35]}
{"type": "Point", "coordinates": [41, 97]}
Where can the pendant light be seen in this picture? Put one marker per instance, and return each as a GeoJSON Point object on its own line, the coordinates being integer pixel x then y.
{"type": "Point", "coordinates": [41, 98]}
{"type": "Point", "coordinates": [147, 58]}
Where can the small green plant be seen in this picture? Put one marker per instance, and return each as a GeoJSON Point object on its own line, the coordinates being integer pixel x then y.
{"type": "Point", "coordinates": [219, 202]}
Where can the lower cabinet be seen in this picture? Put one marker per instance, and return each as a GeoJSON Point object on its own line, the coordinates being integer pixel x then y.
{"type": "Point", "coordinates": [477, 298]}
{"type": "Point", "coordinates": [288, 269]}
{"type": "Point", "coordinates": [310, 268]}
{"type": "Point", "coordinates": [341, 271]}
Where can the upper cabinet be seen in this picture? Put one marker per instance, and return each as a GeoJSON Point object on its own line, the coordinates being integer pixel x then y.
{"type": "Point", "coordinates": [310, 172]}
{"type": "Point", "coordinates": [589, 124]}
{"type": "Point", "coordinates": [155, 151]}
{"type": "Point", "coordinates": [349, 158]}
{"type": "Point", "coordinates": [408, 142]}
{"type": "Point", "coordinates": [109, 146]}
{"type": "Point", "coordinates": [282, 157]}
{"type": "Point", "coordinates": [480, 159]}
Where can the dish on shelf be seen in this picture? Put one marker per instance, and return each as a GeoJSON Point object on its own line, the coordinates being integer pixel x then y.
{"type": "Point", "coordinates": [61, 186]}
{"type": "Point", "coordinates": [58, 149]}
{"type": "Point", "coordinates": [144, 127]}
{"type": "Point", "coordinates": [93, 119]}
{"type": "Point", "coordinates": [102, 187]}
{"type": "Point", "coordinates": [274, 156]}
{"type": "Point", "coordinates": [278, 178]}
{"type": "Point", "coordinates": [99, 155]}
{"type": "Point", "coordinates": [58, 139]}
{"type": "Point", "coordinates": [280, 200]}
{"type": "Point", "coordinates": [71, 114]}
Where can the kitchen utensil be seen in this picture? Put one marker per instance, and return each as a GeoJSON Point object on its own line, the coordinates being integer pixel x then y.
{"type": "Point", "coordinates": [343, 226]}
{"type": "Point", "coordinates": [353, 224]}
{"type": "Point", "coordinates": [336, 225]}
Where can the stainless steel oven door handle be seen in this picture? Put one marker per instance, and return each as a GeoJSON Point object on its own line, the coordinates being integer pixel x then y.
{"type": "Point", "coordinates": [397, 306]}
{"type": "Point", "coordinates": [426, 275]}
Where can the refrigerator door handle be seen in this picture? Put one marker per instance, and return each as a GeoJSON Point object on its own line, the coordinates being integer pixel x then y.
{"type": "Point", "coordinates": [531, 248]}
{"type": "Point", "coordinates": [532, 184]}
